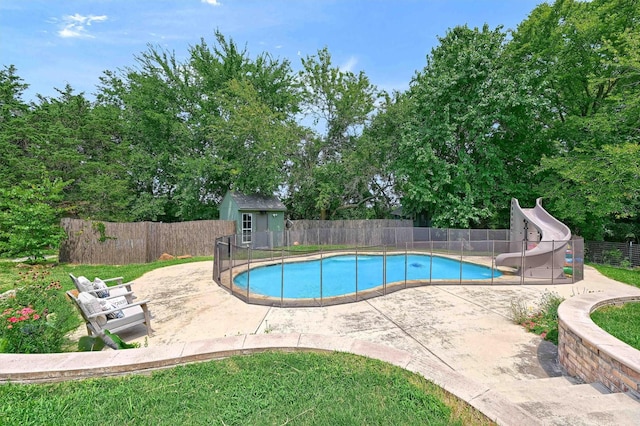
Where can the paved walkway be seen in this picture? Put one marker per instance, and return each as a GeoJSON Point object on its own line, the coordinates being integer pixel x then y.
{"type": "Point", "coordinates": [463, 330]}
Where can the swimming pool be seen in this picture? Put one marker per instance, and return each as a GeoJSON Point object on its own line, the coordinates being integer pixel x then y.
{"type": "Point", "coordinates": [345, 274]}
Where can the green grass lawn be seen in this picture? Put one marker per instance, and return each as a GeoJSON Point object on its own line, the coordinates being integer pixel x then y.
{"type": "Point", "coordinates": [627, 276]}
{"type": "Point", "coordinates": [620, 321]}
{"type": "Point", "coordinates": [262, 389]}
{"type": "Point", "coordinates": [12, 272]}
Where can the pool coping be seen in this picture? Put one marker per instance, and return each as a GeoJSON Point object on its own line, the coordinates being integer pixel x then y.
{"type": "Point", "coordinates": [43, 368]}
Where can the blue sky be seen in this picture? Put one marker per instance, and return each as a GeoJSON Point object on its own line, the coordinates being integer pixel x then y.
{"type": "Point", "coordinates": [55, 42]}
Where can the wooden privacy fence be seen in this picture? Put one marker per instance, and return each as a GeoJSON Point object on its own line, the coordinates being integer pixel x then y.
{"type": "Point", "coordinates": [108, 243]}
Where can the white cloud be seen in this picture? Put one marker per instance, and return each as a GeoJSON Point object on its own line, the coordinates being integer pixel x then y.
{"type": "Point", "coordinates": [349, 65]}
{"type": "Point", "coordinates": [212, 2]}
{"type": "Point", "coordinates": [76, 25]}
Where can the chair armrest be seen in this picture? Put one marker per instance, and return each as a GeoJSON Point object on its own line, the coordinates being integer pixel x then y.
{"type": "Point", "coordinates": [142, 304]}
{"type": "Point", "coordinates": [127, 285]}
{"type": "Point", "coordinates": [128, 293]}
{"type": "Point", "coordinates": [118, 279]}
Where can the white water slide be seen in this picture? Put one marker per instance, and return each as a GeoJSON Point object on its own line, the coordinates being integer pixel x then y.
{"type": "Point", "coordinates": [538, 242]}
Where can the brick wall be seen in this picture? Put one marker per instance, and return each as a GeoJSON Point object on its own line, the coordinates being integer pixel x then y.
{"type": "Point", "coordinates": [595, 360]}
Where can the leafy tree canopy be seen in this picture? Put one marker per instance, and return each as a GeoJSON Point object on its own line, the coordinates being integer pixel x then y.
{"type": "Point", "coordinates": [473, 131]}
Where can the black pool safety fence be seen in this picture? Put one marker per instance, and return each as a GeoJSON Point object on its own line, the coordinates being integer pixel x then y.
{"type": "Point", "coordinates": [280, 269]}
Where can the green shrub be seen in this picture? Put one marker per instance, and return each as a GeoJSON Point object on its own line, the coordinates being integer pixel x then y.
{"type": "Point", "coordinates": [37, 317]}
{"type": "Point", "coordinates": [520, 312]}
{"type": "Point", "coordinates": [612, 257]}
{"type": "Point", "coordinates": [29, 220]}
{"type": "Point", "coordinates": [544, 320]}
{"type": "Point", "coordinates": [549, 305]}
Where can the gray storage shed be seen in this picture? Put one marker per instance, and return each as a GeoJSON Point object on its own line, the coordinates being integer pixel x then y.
{"type": "Point", "coordinates": [253, 214]}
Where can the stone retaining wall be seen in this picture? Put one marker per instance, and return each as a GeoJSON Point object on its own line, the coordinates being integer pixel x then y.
{"type": "Point", "coordinates": [588, 352]}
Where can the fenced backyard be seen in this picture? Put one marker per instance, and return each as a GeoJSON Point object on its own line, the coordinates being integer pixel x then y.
{"type": "Point", "coordinates": [234, 259]}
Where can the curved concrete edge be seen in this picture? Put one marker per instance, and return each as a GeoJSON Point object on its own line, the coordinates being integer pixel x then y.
{"type": "Point", "coordinates": [39, 368]}
{"type": "Point", "coordinates": [574, 314]}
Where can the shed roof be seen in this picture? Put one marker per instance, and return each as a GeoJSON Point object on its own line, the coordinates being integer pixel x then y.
{"type": "Point", "coordinates": [257, 202]}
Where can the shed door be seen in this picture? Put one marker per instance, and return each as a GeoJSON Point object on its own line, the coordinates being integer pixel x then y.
{"type": "Point", "coordinates": [262, 222]}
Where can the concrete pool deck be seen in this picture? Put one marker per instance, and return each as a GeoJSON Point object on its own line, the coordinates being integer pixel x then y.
{"type": "Point", "coordinates": [459, 336]}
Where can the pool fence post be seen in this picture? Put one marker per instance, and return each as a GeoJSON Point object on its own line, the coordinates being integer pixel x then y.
{"type": "Point", "coordinates": [248, 271]}
{"type": "Point", "coordinates": [356, 273]}
{"type": "Point", "coordinates": [493, 259]}
{"type": "Point", "coordinates": [406, 260]}
{"type": "Point", "coordinates": [522, 261]}
{"type": "Point", "coordinates": [321, 299]}
{"type": "Point", "coordinates": [215, 259]}
{"type": "Point", "coordinates": [384, 270]}
{"type": "Point", "coordinates": [553, 260]}
{"type": "Point", "coordinates": [231, 265]}
{"type": "Point", "coordinates": [282, 279]}
{"type": "Point", "coordinates": [461, 256]}
{"type": "Point", "coordinates": [573, 260]}
{"type": "Point", "coordinates": [431, 262]}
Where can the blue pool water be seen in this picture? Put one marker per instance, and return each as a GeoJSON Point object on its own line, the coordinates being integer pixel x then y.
{"type": "Point", "coordinates": [302, 279]}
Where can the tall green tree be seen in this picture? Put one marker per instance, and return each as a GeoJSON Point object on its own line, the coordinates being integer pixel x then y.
{"type": "Point", "coordinates": [474, 133]}
{"type": "Point", "coordinates": [251, 139]}
{"type": "Point", "coordinates": [326, 179]}
{"type": "Point", "coordinates": [217, 121]}
{"type": "Point", "coordinates": [151, 97]}
{"type": "Point", "coordinates": [598, 191]}
{"type": "Point", "coordinates": [378, 151]}
{"type": "Point", "coordinates": [247, 115]}
{"type": "Point", "coordinates": [15, 134]}
{"type": "Point", "coordinates": [586, 56]}
{"type": "Point", "coordinates": [77, 142]}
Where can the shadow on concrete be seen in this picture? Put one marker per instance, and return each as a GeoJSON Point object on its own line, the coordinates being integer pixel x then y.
{"type": "Point", "coordinates": [548, 358]}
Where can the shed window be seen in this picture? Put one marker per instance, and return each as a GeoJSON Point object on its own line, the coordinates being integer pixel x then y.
{"type": "Point", "coordinates": [247, 219]}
